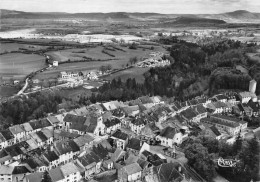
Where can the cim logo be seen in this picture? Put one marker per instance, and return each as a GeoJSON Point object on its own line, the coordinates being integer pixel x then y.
{"type": "Point", "coordinates": [226, 162]}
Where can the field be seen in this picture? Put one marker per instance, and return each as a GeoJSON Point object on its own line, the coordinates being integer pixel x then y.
{"type": "Point", "coordinates": [135, 72]}
{"type": "Point", "coordinates": [120, 60]}
{"type": "Point", "coordinates": [6, 91]}
{"type": "Point", "coordinates": [19, 65]}
{"type": "Point", "coordinates": [8, 47]}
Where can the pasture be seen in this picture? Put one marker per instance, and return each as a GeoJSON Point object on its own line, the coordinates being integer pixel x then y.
{"type": "Point", "coordinates": [19, 65]}
{"type": "Point", "coordinates": [134, 72]}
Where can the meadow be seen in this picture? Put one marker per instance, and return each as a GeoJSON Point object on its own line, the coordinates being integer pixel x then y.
{"type": "Point", "coordinates": [20, 65]}
{"type": "Point", "coordinates": [134, 72]}
{"type": "Point", "coordinates": [9, 47]}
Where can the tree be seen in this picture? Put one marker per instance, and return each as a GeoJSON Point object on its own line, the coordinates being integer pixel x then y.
{"type": "Point", "coordinates": [46, 177]}
{"type": "Point", "coordinates": [41, 83]}
{"type": "Point", "coordinates": [199, 158]}
{"type": "Point", "coordinates": [30, 84]}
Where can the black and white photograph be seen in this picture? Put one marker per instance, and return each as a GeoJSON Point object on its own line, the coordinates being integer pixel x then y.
{"type": "Point", "coordinates": [129, 90]}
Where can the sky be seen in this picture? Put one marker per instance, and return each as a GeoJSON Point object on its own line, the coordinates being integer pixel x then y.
{"type": "Point", "coordinates": [157, 6]}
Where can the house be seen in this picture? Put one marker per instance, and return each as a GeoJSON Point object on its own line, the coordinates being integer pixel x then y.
{"type": "Point", "coordinates": [84, 141]}
{"type": "Point", "coordinates": [242, 124]}
{"type": "Point", "coordinates": [221, 98]}
{"type": "Point", "coordinates": [19, 172]}
{"type": "Point", "coordinates": [64, 135]}
{"type": "Point", "coordinates": [255, 106]}
{"type": "Point", "coordinates": [134, 145]}
{"type": "Point", "coordinates": [137, 124]}
{"type": "Point", "coordinates": [6, 173]}
{"type": "Point", "coordinates": [52, 158]}
{"type": "Point", "coordinates": [91, 163]}
{"type": "Point", "coordinates": [5, 158]}
{"type": "Point", "coordinates": [15, 152]}
{"type": "Point", "coordinates": [70, 172]}
{"type": "Point", "coordinates": [36, 164]}
{"type": "Point", "coordinates": [35, 177]}
{"type": "Point", "coordinates": [118, 155]}
{"type": "Point", "coordinates": [189, 115]}
{"type": "Point", "coordinates": [246, 96]}
{"type": "Point", "coordinates": [225, 124]}
{"type": "Point", "coordinates": [168, 172]}
{"type": "Point", "coordinates": [131, 110]}
{"type": "Point", "coordinates": [92, 124]}
{"type": "Point", "coordinates": [39, 138]}
{"type": "Point", "coordinates": [112, 125]}
{"type": "Point", "coordinates": [149, 131]}
{"type": "Point", "coordinates": [120, 139]}
{"type": "Point", "coordinates": [27, 128]}
{"type": "Point", "coordinates": [8, 136]}
{"type": "Point", "coordinates": [108, 164]}
{"type": "Point", "coordinates": [66, 150]}
{"type": "Point", "coordinates": [112, 105]}
{"type": "Point", "coordinates": [218, 107]}
{"type": "Point", "coordinates": [3, 142]}
{"type": "Point", "coordinates": [211, 131]}
{"type": "Point", "coordinates": [37, 125]}
{"type": "Point", "coordinates": [55, 122]}
{"type": "Point", "coordinates": [201, 111]}
{"type": "Point", "coordinates": [170, 136]}
{"type": "Point", "coordinates": [18, 132]}
{"type": "Point", "coordinates": [132, 172]}
{"type": "Point", "coordinates": [49, 135]}
{"type": "Point", "coordinates": [56, 175]}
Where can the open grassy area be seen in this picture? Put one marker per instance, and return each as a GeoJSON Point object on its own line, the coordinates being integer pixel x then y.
{"type": "Point", "coordinates": [120, 60]}
{"type": "Point", "coordinates": [135, 72]}
{"type": "Point", "coordinates": [19, 65]}
{"type": "Point", "coordinates": [8, 47]}
{"type": "Point", "coordinates": [7, 91]}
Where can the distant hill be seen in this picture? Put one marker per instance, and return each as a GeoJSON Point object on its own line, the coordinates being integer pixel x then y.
{"type": "Point", "coordinates": [191, 21]}
{"type": "Point", "coordinates": [236, 16]}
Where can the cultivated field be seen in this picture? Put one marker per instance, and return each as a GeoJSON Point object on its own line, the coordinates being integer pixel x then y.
{"type": "Point", "coordinates": [135, 72]}
{"type": "Point", "coordinates": [20, 65]}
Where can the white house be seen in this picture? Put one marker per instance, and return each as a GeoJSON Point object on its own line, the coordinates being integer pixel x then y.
{"type": "Point", "coordinates": [132, 172]}
{"type": "Point", "coordinates": [170, 136]}
{"type": "Point", "coordinates": [137, 125]}
{"type": "Point", "coordinates": [120, 139]}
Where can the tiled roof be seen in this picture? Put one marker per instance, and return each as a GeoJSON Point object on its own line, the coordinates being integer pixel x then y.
{"type": "Point", "coordinates": [138, 121]}
{"type": "Point", "coordinates": [16, 129]}
{"type": "Point", "coordinates": [68, 169]}
{"type": "Point", "coordinates": [6, 170]}
{"type": "Point", "coordinates": [132, 169]}
{"type": "Point", "coordinates": [13, 150]}
{"type": "Point", "coordinates": [35, 177]}
{"type": "Point", "coordinates": [215, 130]}
{"type": "Point", "coordinates": [53, 119]}
{"type": "Point", "coordinates": [112, 122]}
{"type": "Point", "coordinates": [168, 132]}
{"type": "Point", "coordinates": [120, 135]}
{"type": "Point", "coordinates": [47, 132]}
{"type": "Point", "coordinates": [88, 159]}
{"type": "Point", "coordinates": [167, 172]}
{"type": "Point", "coordinates": [134, 143]}
{"type": "Point", "coordinates": [64, 147]}
{"type": "Point", "coordinates": [221, 97]}
{"type": "Point", "coordinates": [56, 174]}
{"type": "Point", "coordinates": [82, 140]}
{"type": "Point", "coordinates": [66, 134]}
{"type": "Point", "coordinates": [50, 155]}
{"type": "Point", "coordinates": [20, 170]}
{"type": "Point", "coordinates": [7, 134]}
{"type": "Point", "coordinates": [27, 127]}
{"type": "Point", "coordinates": [37, 124]}
{"type": "Point", "coordinates": [189, 113]}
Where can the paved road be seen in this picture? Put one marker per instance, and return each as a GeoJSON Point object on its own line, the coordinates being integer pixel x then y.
{"type": "Point", "coordinates": [24, 87]}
